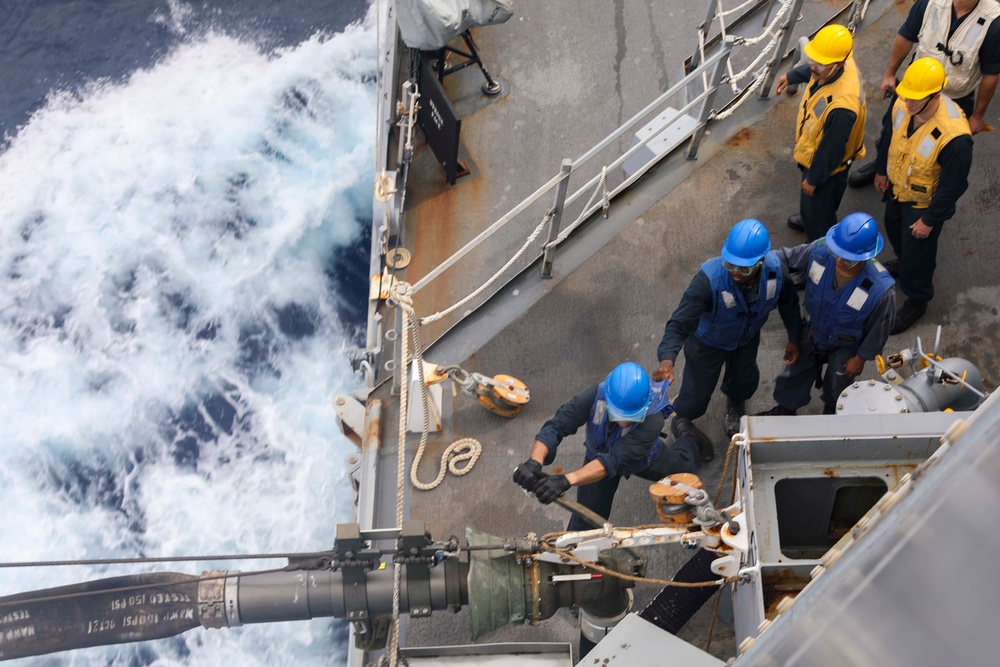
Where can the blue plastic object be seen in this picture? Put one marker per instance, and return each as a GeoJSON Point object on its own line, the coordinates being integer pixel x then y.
{"type": "Point", "coordinates": [628, 393]}
{"type": "Point", "coordinates": [855, 238]}
{"type": "Point", "coordinates": [747, 244]}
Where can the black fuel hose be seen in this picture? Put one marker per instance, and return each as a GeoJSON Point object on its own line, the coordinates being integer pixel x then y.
{"type": "Point", "coordinates": [98, 613]}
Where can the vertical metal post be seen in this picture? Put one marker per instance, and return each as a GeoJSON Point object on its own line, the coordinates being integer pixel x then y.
{"type": "Point", "coordinates": [557, 209]}
{"type": "Point", "coordinates": [704, 28]}
{"type": "Point", "coordinates": [779, 53]}
{"type": "Point", "coordinates": [706, 107]}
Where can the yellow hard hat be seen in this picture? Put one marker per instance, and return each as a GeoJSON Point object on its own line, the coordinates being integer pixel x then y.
{"type": "Point", "coordinates": [923, 78]}
{"type": "Point", "coordinates": [832, 44]}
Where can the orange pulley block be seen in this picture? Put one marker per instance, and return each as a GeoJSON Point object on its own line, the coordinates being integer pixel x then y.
{"type": "Point", "coordinates": [502, 394]}
{"type": "Point", "coordinates": [670, 496]}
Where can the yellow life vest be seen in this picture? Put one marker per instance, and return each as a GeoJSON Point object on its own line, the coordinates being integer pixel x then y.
{"type": "Point", "coordinates": [913, 168]}
{"type": "Point", "coordinates": [844, 93]}
{"type": "Point", "coordinates": [962, 66]}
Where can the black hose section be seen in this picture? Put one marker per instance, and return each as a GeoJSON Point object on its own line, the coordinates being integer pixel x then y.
{"type": "Point", "coordinates": [98, 613]}
{"type": "Point", "coordinates": [675, 605]}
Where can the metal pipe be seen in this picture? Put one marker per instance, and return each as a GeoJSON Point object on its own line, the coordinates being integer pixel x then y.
{"type": "Point", "coordinates": [289, 596]}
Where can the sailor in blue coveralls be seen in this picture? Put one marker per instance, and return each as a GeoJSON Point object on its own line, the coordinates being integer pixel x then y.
{"type": "Point", "coordinates": [718, 323]}
{"type": "Point", "coordinates": [624, 416]}
{"type": "Point", "coordinates": [850, 305]}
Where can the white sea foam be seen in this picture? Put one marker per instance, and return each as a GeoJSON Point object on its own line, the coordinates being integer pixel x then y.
{"type": "Point", "coordinates": [169, 341]}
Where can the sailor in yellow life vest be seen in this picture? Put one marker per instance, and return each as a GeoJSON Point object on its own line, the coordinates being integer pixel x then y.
{"type": "Point", "coordinates": [922, 168]}
{"type": "Point", "coordinates": [964, 36]}
{"type": "Point", "coordinates": [829, 132]}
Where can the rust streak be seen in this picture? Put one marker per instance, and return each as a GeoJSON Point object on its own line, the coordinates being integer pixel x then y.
{"type": "Point", "coordinates": [739, 139]}
{"type": "Point", "coordinates": [373, 430]}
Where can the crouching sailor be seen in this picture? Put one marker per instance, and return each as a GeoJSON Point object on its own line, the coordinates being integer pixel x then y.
{"type": "Point", "coordinates": [624, 416]}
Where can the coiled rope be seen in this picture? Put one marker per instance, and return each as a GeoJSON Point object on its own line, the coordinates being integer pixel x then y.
{"type": "Point", "coordinates": [465, 450]}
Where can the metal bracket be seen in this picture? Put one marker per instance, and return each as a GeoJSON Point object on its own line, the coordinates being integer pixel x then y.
{"type": "Point", "coordinates": [413, 552]}
{"type": "Point", "coordinates": [352, 556]}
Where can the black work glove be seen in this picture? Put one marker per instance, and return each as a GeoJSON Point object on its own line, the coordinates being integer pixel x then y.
{"type": "Point", "coordinates": [551, 488]}
{"type": "Point", "coordinates": [527, 474]}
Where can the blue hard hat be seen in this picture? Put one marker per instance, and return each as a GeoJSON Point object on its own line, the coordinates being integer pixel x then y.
{"type": "Point", "coordinates": [628, 393]}
{"type": "Point", "coordinates": [855, 238]}
{"type": "Point", "coordinates": [747, 244]}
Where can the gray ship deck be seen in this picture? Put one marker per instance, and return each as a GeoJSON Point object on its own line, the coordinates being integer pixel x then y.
{"type": "Point", "coordinates": [574, 76]}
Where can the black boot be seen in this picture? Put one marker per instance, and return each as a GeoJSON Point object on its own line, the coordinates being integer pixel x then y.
{"type": "Point", "coordinates": [829, 409]}
{"type": "Point", "coordinates": [892, 266]}
{"type": "Point", "coordinates": [795, 222]}
{"type": "Point", "coordinates": [682, 426]}
{"type": "Point", "coordinates": [776, 411]}
{"type": "Point", "coordinates": [908, 314]}
{"type": "Point", "coordinates": [733, 413]}
{"type": "Point", "coordinates": [863, 176]}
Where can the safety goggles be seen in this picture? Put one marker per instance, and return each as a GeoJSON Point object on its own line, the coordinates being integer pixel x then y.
{"type": "Point", "coordinates": [848, 263]}
{"type": "Point", "coordinates": [742, 270]}
{"type": "Point", "coordinates": [823, 69]}
{"type": "Point", "coordinates": [635, 417]}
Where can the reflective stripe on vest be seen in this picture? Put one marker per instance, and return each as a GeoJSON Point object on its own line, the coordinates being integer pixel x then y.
{"type": "Point", "coordinates": [603, 434]}
{"type": "Point", "coordinates": [962, 66]}
{"type": "Point", "coordinates": [913, 168]}
{"type": "Point", "coordinates": [837, 317]}
{"type": "Point", "coordinates": [846, 92]}
{"type": "Point", "coordinates": [731, 323]}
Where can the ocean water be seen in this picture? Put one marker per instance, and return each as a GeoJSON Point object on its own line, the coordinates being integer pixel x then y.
{"type": "Point", "coordinates": [184, 192]}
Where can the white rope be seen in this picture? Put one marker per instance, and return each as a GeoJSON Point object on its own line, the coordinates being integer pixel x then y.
{"type": "Point", "coordinates": [464, 450]}
{"type": "Point", "coordinates": [734, 9]}
{"type": "Point", "coordinates": [759, 75]}
{"type": "Point", "coordinates": [858, 16]}
{"type": "Point", "coordinates": [602, 186]}
{"type": "Point", "coordinates": [786, 5]}
{"type": "Point", "coordinates": [734, 78]}
{"type": "Point", "coordinates": [399, 292]}
{"type": "Point", "coordinates": [722, 35]}
{"type": "Point", "coordinates": [760, 56]}
{"type": "Point", "coordinates": [701, 50]}
{"type": "Point", "coordinates": [749, 93]}
{"type": "Point", "coordinates": [531, 239]}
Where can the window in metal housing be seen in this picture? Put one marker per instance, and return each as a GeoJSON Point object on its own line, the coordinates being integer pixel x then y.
{"type": "Point", "coordinates": [815, 512]}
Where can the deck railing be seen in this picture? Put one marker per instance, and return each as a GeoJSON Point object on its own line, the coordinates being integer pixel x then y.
{"type": "Point", "coordinates": [603, 167]}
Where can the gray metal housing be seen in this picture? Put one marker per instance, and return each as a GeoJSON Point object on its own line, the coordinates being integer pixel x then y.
{"type": "Point", "coordinates": [919, 587]}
